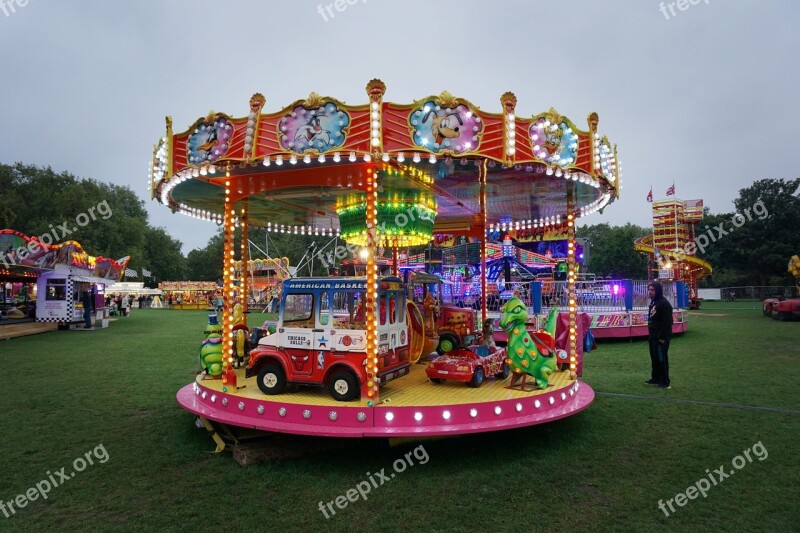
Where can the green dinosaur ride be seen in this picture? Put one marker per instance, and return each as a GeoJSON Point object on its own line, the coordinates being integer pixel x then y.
{"type": "Point", "coordinates": [526, 356]}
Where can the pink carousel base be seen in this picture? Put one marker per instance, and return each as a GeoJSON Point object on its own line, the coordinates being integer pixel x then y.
{"type": "Point", "coordinates": [414, 408]}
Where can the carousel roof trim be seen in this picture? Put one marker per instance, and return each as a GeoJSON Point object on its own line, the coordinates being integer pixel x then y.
{"type": "Point", "coordinates": [438, 143]}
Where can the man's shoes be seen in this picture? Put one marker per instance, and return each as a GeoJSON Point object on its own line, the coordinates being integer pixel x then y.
{"type": "Point", "coordinates": [651, 382]}
{"type": "Point", "coordinates": [663, 386]}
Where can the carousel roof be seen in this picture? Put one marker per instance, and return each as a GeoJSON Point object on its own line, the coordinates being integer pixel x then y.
{"type": "Point", "coordinates": [302, 168]}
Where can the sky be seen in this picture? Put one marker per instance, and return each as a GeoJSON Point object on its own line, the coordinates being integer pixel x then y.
{"type": "Point", "coordinates": [684, 94]}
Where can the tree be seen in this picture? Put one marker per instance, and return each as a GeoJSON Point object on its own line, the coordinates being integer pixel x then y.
{"type": "Point", "coordinates": [107, 220]}
{"type": "Point", "coordinates": [163, 257]}
{"type": "Point", "coordinates": [611, 250]}
{"type": "Point", "coordinates": [205, 264]}
{"type": "Point", "coordinates": [753, 245]}
{"type": "Point", "coordinates": [770, 236]}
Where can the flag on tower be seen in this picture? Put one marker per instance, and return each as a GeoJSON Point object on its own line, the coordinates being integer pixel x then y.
{"type": "Point", "coordinates": [671, 190]}
{"type": "Point", "coordinates": [146, 273]}
{"type": "Point", "coordinates": [650, 196]}
{"type": "Point", "coordinates": [131, 273]}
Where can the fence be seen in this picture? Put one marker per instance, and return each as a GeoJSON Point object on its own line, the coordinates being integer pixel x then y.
{"type": "Point", "coordinates": [747, 297]}
{"type": "Point", "coordinates": [591, 296]}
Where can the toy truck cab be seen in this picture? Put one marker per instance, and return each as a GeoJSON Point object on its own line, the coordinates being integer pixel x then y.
{"type": "Point", "coordinates": [321, 338]}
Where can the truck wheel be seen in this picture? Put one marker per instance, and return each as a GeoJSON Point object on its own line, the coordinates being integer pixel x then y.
{"type": "Point", "coordinates": [271, 379]}
{"type": "Point", "coordinates": [503, 374]}
{"type": "Point", "coordinates": [343, 386]}
{"type": "Point", "coordinates": [447, 343]}
{"type": "Point", "coordinates": [477, 378]}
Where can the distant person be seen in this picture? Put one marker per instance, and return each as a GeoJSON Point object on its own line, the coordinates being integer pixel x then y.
{"type": "Point", "coordinates": [659, 327]}
{"type": "Point", "coordinates": [88, 309]}
{"type": "Point", "coordinates": [124, 305]}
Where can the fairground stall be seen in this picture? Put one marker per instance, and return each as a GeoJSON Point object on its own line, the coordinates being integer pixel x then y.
{"type": "Point", "coordinates": [142, 296]}
{"type": "Point", "coordinates": [60, 291]}
{"type": "Point", "coordinates": [385, 175]}
{"type": "Point", "coordinates": [21, 262]}
{"type": "Point", "coordinates": [183, 295]}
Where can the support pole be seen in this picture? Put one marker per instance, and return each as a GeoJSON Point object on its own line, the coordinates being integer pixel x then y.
{"type": "Point", "coordinates": [396, 266]}
{"type": "Point", "coordinates": [482, 178]}
{"type": "Point", "coordinates": [573, 304]}
{"type": "Point", "coordinates": [372, 386]}
{"type": "Point", "coordinates": [375, 89]}
{"type": "Point", "coordinates": [244, 281]}
{"type": "Point", "coordinates": [229, 229]}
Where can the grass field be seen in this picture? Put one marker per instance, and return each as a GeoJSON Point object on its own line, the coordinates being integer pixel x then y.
{"type": "Point", "coordinates": [66, 393]}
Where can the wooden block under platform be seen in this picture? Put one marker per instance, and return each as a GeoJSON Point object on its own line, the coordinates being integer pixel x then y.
{"type": "Point", "coordinates": [273, 446]}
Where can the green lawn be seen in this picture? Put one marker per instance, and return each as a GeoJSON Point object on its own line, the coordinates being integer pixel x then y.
{"type": "Point", "coordinates": [606, 468]}
{"type": "Point", "coordinates": [741, 304]}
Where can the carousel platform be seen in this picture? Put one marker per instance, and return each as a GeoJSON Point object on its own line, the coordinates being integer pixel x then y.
{"type": "Point", "coordinates": [409, 406]}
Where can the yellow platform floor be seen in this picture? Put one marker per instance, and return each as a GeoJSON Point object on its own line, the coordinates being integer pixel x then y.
{"type": "Point", "coordinates": [412, 390]}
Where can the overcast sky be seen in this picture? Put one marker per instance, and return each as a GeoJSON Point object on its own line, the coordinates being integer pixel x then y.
{"type": "Point", "coordinates": [706, 97]}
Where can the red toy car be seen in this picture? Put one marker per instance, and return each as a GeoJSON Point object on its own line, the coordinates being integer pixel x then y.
{"type": "Point", "coordinates": [469, 365]}
{"type": "Point", "coordinates": [782, 309]}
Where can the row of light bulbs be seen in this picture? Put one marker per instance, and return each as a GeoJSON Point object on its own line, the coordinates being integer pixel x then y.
{"type": "Point", "coordinates": [526, 224]}
{"type": "Point", "coordinates": [597, 205]}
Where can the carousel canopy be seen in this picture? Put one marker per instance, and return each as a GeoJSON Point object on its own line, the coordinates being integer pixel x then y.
{"type": "Point", "coordinates": [302, 169]}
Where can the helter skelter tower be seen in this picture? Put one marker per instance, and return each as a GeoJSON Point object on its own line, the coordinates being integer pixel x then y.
{"type": "Point", "coordinates": [671, 248]}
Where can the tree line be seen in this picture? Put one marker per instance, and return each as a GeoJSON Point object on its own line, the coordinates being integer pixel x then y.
{"type": "Point", "coordinates": [33, 199]}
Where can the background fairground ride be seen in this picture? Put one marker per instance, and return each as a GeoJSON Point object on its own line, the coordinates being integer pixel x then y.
{"type": "Point", "coordinates": [672, 248]}
{"type": "Point", "coordinates": [617, 307]}
{"type": "Point", "coordinates": [391, 175]}
{"type": "Point", "coordinates": [265, 278]}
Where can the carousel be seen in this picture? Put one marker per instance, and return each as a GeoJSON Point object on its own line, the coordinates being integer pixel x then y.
{"type": "Point", "coordinates": [345, 356]}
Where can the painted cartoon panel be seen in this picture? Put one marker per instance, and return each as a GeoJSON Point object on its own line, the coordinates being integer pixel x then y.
{"type": "Point", "coordinates": [209, 141]}
{"type": "Point", "coordinates": [448, 128]}
{"type": "Point", "coordinates": [317, 129]}
{"type": "Point", "coordinates": [554, 141]}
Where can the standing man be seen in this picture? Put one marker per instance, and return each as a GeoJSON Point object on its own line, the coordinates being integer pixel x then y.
{"type": "Point", "coordinates": [88, 309]}
{"type": "Point", "coordinates": [659, 326]}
